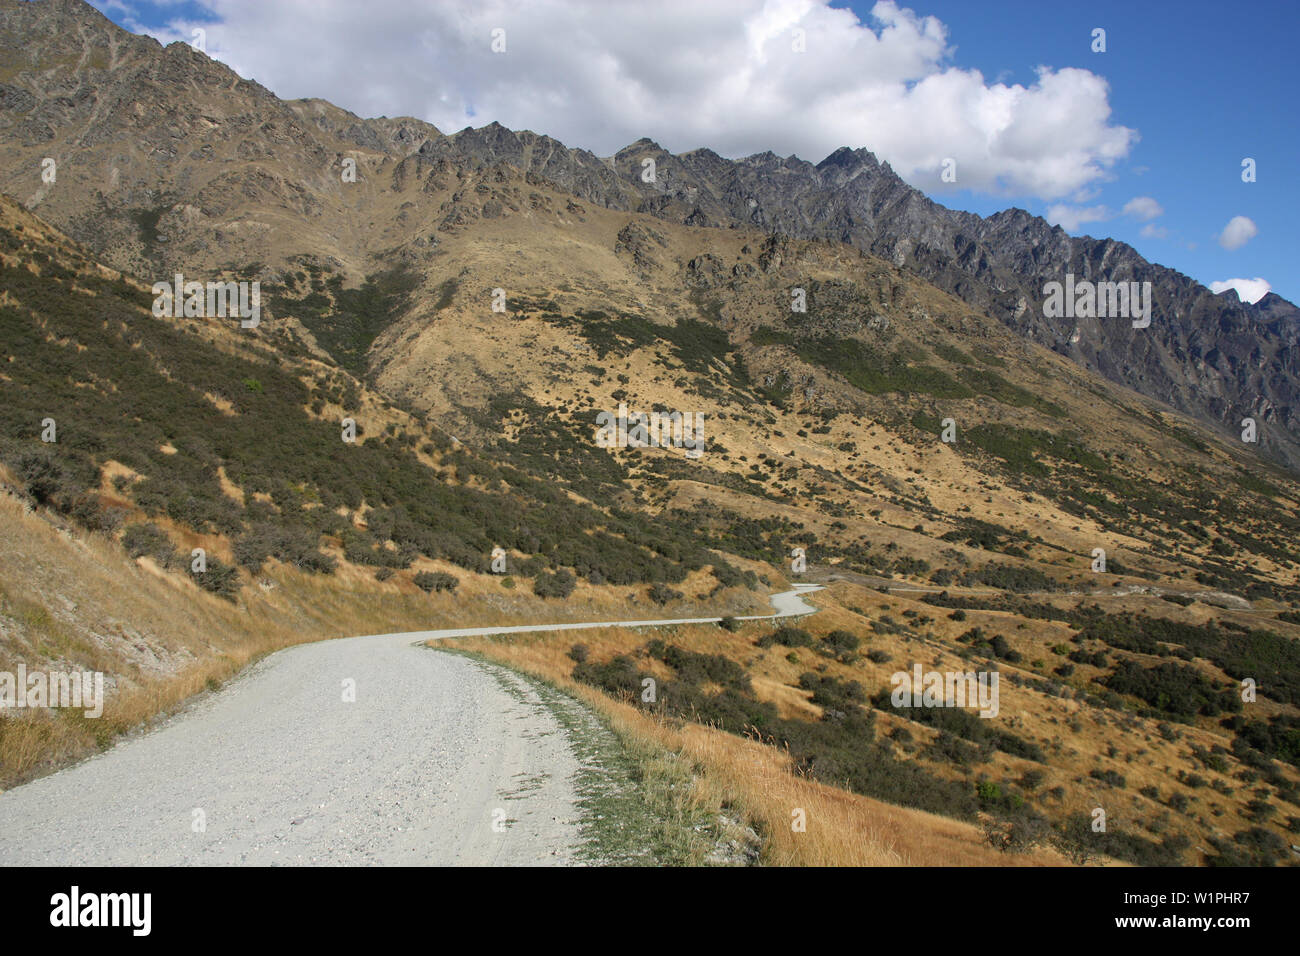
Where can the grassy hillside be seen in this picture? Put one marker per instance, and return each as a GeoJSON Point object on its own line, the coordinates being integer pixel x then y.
{"type": "Point", "coordinates": [475, 431]}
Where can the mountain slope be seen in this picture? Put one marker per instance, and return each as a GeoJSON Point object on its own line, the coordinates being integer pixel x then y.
{"type": "Point", "coordinates": [223, 172]}
{"type": "Point", "coordinates": [807, 447]}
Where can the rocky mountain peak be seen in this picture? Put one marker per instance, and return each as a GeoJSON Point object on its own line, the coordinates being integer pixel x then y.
{"type": "Point", "coordinates": [156, 120]}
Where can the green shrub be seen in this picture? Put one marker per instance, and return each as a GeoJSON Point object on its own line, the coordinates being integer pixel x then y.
{"type": "Point", "coordinates": [430, 581]}
{"type": "Point", "coordinates": [557, 585]}
{"type": "Point", "coordinates": [787, 636]}
{"type": "Point", "coordinates": [1173, 689]}
{"type": "Point", "coordinates": [219, 578]}
{"type": "Point", "coordinates": [662, 594]}
{"type": "Point", "coordinates": [292, 545]}
{"type": "Point", "coordinates": [147, 539]}
{"type": "Point", "coordinates": [1109, 777]}
{"type": "Point", "coordinates": [41, 475]}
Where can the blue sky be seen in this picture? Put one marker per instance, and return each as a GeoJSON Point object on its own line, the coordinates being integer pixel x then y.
{"type": "Point", "coordinates": [1190, 89]}
{"type": "Point", "coordinates": [1204, 84]}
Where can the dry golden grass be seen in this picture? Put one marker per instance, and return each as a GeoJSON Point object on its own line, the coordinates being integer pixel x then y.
{"type": "Point", "coordinates": [160, 640]}
{"type": "Point", "coordinates": [757, 780]}
{"type": "Point", "coordinates": [73, 601]}
{"type": "Point", "coordinates": [1075, 737]}
{"type": "Point", "coordinates": [163, 639]}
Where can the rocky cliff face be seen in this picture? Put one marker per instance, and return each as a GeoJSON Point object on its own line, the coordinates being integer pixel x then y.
{"type": "Point", "coordinates": [166, 155]}
{"type": "Point", "coordinates": [1205, 354]}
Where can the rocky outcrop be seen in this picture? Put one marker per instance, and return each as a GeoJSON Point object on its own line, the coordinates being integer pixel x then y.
{"type": "Point", "coordinates": [144, 128]}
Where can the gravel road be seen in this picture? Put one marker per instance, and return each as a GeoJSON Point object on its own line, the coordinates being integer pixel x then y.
{"type": "Point", "coordinates": [437, 759]}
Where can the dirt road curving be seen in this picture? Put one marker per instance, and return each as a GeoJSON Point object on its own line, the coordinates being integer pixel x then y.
{"type": "Point", "coordinates": [365, 750]}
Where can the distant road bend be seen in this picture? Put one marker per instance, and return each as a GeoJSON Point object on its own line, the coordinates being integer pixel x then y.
{"type": "Point", "coordinates": [277, 768]}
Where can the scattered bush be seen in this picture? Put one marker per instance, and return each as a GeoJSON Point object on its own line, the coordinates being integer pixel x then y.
{"type": "Point", "coordinates": [662, 594]}
{"type": "Point", "coordinates": [430, 581]}
{"type": "Point", "coordinates": [788, 637]}
{"type": "Point", "coordinates": [148, 540]}
{"type": "Point", "coordinates": [840, 641]}
{"type": "Point", "coordinates": [557, 585]}
{"type": "Point", "coordinates": [219, 578]}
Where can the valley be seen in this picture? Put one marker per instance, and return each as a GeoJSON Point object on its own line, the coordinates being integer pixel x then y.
{"type": "Point", "coordinates": [499, 388]}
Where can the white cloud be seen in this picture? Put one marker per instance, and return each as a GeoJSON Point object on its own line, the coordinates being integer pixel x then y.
{"type": "Point", "coordinates": [1237, 232]}
{"type": "Point", "coordinates": [1152, 231]}
{"type": "Point", "coordinates": [688, 74]}
{"type": "Point", "coordinates": [1144, 208]}
{"type": "Point", "coordinates": [1248, 290]}
{"type": "Point", "coordinates": [1070, 218]}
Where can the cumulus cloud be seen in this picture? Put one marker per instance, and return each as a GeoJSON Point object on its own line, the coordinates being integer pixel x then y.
{"type": "Point", "coordinates": [1237, 232]}
{"type": "Point", "coordinates": [723, 74]}
{"type": "Point", "coordinates": [1248, 290]}
{"type": "Point", "coordinates": [1070, 218]}
{"type": "Point", "coordinates": [1144, 208]}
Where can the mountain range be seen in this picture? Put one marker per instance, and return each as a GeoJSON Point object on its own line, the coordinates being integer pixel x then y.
{"type": "Point", "coordinates": [216, 173]}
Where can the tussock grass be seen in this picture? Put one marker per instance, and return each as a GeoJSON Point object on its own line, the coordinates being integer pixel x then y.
{"type": "Point", "coordinates": [688, 770]}
{"type": "Point", "coordinates": [77, 602]}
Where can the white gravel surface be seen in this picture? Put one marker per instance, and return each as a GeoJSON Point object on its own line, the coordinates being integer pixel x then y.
{"type": "Point", "coordinates": [439, 760]}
